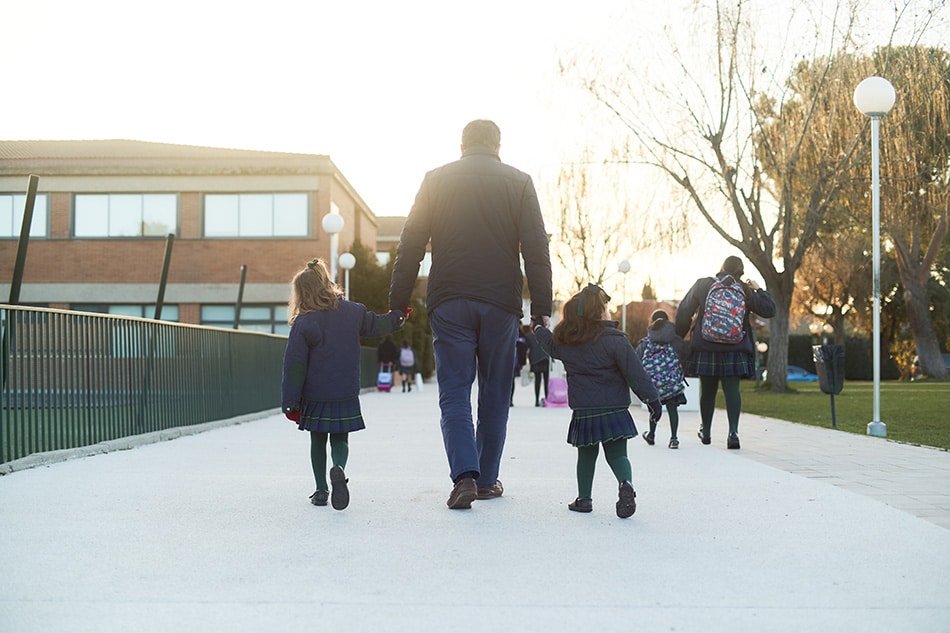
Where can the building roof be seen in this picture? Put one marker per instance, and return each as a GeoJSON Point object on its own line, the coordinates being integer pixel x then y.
{"type": "Point", "coordinates": [129, 157]}
{"type": "Point", "coordinates": [389, 227]}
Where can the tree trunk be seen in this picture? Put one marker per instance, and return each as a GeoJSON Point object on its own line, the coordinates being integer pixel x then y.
{"type": "Point", "coordinates": [778, 341]}
{"type": "Point", "coordinates": [921, 326]}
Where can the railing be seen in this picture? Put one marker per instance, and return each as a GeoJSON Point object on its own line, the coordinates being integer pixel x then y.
{"type": "Point", "coordinates": [72, 379]}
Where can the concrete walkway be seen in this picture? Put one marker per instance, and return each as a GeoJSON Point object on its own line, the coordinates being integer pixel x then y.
{"type": "Point", "coordinates": [803, 529]}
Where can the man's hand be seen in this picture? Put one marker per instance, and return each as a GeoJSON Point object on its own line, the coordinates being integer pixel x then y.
{"type": "Point", "coordinates": [540, 321]}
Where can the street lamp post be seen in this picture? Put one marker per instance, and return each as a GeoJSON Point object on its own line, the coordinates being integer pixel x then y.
{"type": "Point", "coordinates": [624, 268]}
{"type": "Point", "coordinates": [347, 261]}
{"type": "Point", "coordinates": [875, 97]}
{"type": "Point", "coordinates": [332, 225]}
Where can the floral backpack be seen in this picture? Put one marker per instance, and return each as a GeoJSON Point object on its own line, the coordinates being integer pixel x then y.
{"type": "Point", "coordinates": [663, 365]}
{"type": "Point", "coordinates": [724, 312]}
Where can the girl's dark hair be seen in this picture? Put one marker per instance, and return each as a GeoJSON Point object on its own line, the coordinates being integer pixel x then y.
{"type": "Point", "coordinates": [582, 317]}
{"type": "Point", "coordinates": [733, 265]}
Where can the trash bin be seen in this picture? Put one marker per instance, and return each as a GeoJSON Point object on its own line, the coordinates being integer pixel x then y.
{"type": "Point", "coordinates": [829, 363]}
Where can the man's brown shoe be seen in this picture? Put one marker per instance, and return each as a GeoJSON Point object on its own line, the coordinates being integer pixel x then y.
{"type": "Point", "coordinates": [463, 494]}
{"type": "Point", "coordinates": [491, 492]}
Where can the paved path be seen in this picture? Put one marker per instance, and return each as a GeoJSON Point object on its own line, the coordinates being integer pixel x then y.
{"type": "Point", "coordinates": [803, 529]}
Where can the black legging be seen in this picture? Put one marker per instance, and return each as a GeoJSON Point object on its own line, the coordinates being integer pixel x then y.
{"type": "Point", "coordinates": [540, 372]}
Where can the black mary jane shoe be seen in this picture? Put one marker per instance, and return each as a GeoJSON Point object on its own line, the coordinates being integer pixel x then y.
{"type": "Point", "coordinates": [581, 504]}
{"type": "Point", "coordinates": [320, 497]}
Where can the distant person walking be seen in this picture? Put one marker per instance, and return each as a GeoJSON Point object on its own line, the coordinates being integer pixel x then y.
{"type": "Point", "coordinates": [540, 367]}
{"type": "Point", "coordinates": [602, 367]}
{"type": "Point", "coordinates": [482, 217]}
{"type": "Point", "coordinates": [715, 313]}
{"type": "Point", "coordinates": [407, 365]}
{"type": "Point", "coordinates": [520, 358]}
{"type": "Point", "coordinates": [662, 353]}
{"type": "Point", "coordinates": [321, 375]}
{"type": "Point", "coordinates": [387, 353]}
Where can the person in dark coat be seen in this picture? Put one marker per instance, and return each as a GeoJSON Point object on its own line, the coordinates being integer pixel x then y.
{"type": "Point", "coordinates": [661, 331]}
{"type": "Point", "coordinates": [540, 367]}
{"type": "Point", "coordinates": [602, 367]}
{"type": "Point", "coordinates": [520, 358]}
{"type": "Point", "coordinates": [320, 386]}
{"type": "Point", "coordinates": [482, 218]}
{"type": "Point", "coordinates": [387, 353]}
{"type": "Point", "coordinates": [721, 363]}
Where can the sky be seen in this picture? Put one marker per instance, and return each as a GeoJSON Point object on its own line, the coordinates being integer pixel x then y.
{"type": "Point", "coordinates": [384, 88]}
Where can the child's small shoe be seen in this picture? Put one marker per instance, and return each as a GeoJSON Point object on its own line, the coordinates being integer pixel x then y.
{"type": "Point", "coordinates": [626, 502]}
{"type": "Point", "coordinates": [674, 443]}
{"type": "Point", "coordinates": [649, 438]}
{"type": "Point", "coordinates": [341, 494]}
{"type": "Point", "coordinates": [581, 504]}
{"type": "Point", "coordinates": [319, 498]}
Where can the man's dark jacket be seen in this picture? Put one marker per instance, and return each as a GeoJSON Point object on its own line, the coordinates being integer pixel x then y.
{"type": "Point", "coordinates": [481, 215]}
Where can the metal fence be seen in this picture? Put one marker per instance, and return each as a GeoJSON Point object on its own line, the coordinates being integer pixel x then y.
{"type": "Point", "coordinates": [73, 379]}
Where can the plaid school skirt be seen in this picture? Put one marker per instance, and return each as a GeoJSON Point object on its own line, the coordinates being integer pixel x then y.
{"type": "Point", "coordinates": [594, 426]}
{"type": "Point", "coordinates": [719, 364]}
{"type": "Point", "coordinates": [331, 416]}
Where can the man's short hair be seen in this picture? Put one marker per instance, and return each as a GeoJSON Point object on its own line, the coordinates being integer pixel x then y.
{"type": "Point", "coordinates": [481, 132]}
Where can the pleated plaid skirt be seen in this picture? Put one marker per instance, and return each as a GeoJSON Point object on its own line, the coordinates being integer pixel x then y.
{"type": "Point", "coordinates": [331, 416]}
{"type": "Point", "coordinates": [593, 426]}
{"type": "Point", "coordinates": [719, 364]}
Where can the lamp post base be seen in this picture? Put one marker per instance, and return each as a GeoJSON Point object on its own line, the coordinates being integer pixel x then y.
{"type": "Point", "coordinates": [877, 429]}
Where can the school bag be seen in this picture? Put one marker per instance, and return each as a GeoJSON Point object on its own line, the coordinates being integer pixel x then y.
{"type": "Point", "coordinates": [406, 357]}
{"type": "Point", "coordinates": [724, 312]}
{"type": "Point", "coordinates": [663, 365]}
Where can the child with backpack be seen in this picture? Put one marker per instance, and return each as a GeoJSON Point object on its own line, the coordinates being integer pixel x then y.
{"type": "Point", "coordinates": [715, 312]}
{"type": "Point", "coordinates": [407, 365]}
{"type": "Point", "coordinates": [320, 386]}
{"type": "Point", "coordinates": [602, 367]}
{"type": "Point", "coordinates": [661, 352]}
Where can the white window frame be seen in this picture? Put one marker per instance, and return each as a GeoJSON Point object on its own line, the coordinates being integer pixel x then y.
{"type": "Point", "coordinates": [256, 215]}
{"type": "Point", "coordinates": [12, 206]}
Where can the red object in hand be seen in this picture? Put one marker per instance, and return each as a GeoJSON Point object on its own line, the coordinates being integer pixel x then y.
{"type": "Point", "coordinates": [406, 313]}
{"type": "Point", "coordinates": [293, 415]}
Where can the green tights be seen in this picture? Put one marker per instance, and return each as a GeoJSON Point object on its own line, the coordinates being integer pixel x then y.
{"type": "Point", "coordinates": [672, 411]}
{"type": "Point", "coordinates": [339, 451]}
{"type": "Point", "coordinates": [708, 386]}
{"type": "Point", "coordinates": [616, 454]}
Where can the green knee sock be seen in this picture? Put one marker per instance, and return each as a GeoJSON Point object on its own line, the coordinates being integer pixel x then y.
{"type": "Point", "coordinates": [586, 462]}
{"type": "Point", "coordinates": [672, 411]}
{"type": "Point", "coordinates": [318, 459]}
{"type": "Point", "coordinates": [733, 398]}
{"type": "Point", "coordinates": [339, 449]}
{"type": "Point", "coordinates": [616, 454]}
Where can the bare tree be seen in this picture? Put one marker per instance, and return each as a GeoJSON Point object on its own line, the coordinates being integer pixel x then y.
{"type": "Point", "coordinates": [752, 150]}
{"type": "Point", "coordinates": [596, 224]}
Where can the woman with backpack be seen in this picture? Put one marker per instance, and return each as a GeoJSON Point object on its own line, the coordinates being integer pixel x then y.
{"type": "Point", "coordinates": [721, 344]}
{"type": "Point", "coordinates": [662, 353]}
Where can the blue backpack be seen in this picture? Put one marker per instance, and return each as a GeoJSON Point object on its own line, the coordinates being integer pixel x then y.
{"type": "Point", "coordinates": [663, 365]}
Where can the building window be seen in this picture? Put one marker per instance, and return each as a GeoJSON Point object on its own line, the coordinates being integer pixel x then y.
{"type": "Point", "coordinates": [126, 214]}
{"type": "Point", "coordinates": [259, 318]}
{"type": "Point", "coordinates": [255, 215]}
{"type": "Point", "coordinates": [11, 215]}
{"type": "Point", "coordinates": [169, 312]}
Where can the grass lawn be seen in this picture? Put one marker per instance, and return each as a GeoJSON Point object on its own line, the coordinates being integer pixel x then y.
{"type": "Point", "coordinates": [914, 412]}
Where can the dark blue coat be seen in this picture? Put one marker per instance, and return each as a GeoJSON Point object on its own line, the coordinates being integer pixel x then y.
{"type": "Point", "coordinates": [322, 360]}
{"type": "Point", "coordinates": [601, 373]}
{"type": "Point", "coordinates": [482, 217]}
